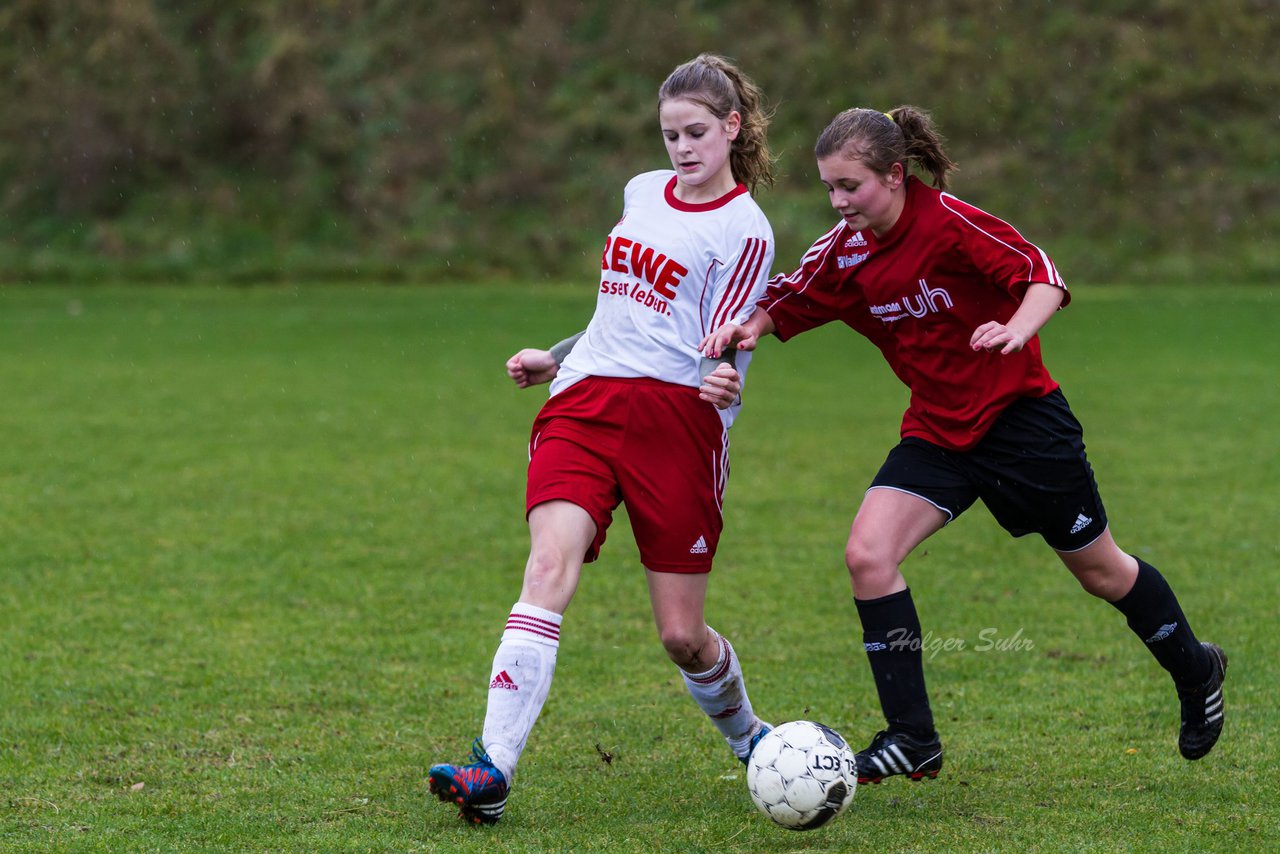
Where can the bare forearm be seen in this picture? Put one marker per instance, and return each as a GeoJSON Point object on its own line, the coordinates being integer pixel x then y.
{"type": "Point", "coordinates": [1038, 305]}
{"type": "Point", "coordinates": [759, 323]}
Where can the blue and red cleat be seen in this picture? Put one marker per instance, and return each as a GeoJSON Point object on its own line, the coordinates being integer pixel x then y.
{"type": "Point", "coordinates": [764, 730]}
{"type": "Point", "coordinates": [478, 790]}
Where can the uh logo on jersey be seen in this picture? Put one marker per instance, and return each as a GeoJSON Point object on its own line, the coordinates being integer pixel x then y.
{"type": "Point", "coordinates": [646, 266]}
{"type": "Point", "coordinates": [928, 301]}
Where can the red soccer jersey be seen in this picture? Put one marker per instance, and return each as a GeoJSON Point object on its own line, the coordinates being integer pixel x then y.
{"type": "Point", "coordinates": [918, 293]}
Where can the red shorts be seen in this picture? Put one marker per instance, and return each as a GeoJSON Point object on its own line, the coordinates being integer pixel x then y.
{"type": "Point", "coordinates": [656, 446]}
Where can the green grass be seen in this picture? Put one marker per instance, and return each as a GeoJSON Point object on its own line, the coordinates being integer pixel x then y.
{"type": "Point", "coordinates": [258, 545]}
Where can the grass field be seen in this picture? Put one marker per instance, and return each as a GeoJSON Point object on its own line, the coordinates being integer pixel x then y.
{"type": "Point", "coordinates": [258, 545]}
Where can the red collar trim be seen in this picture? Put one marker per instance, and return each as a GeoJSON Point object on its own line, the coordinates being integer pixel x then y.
{"type": "Point", "coordinates": [670, 193]}
{"type": "Point", "coordinates": [913, 185]}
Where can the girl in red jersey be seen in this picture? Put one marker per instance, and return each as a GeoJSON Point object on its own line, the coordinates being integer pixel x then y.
{"type": "Point", "coordinates": [636, 415]}
{"type": "Point", "coordinates": [954, 297]}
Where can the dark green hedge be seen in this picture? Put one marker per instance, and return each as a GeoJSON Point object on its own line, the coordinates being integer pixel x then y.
{"type": "Point", "coordinates": [403, 140]}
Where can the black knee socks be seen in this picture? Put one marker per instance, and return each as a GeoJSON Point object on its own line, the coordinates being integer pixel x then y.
{"type": "Point", "coordinates": [891, 636]}
{"type": "Point", "coordinates": [1155, 616]}
{"type": "Point", "coordinates": [893, 641]}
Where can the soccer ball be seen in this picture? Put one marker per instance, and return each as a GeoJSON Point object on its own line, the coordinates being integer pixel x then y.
{"type": "Point", "coordinates": [802, 775]}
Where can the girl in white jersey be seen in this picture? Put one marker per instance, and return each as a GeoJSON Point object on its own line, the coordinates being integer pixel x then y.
{"type": "Point", "coordinates": [637, 415]}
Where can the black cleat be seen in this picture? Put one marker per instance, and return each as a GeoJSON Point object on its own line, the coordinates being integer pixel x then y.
{"type": "Point", "coordinates": [1202, 708]}
{"type": "Point", "coordinates": [893, 753]}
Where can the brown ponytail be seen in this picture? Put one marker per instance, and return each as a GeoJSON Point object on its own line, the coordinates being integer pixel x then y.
{"type": "Point", "coordinates": [905, 134]}
{"type": "Point", "coordinates": [721, 87]}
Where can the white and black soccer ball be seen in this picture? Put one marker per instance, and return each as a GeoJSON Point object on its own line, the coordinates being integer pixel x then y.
{"type": "Point", "coordinates": [802, 775]}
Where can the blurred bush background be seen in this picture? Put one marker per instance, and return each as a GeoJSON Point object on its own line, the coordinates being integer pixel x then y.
{"type": "Point", "coordinates": [395, 140]}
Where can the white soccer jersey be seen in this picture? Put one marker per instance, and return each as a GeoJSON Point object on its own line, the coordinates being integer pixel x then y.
{"type": "Point", "coordinates": [671, 272]}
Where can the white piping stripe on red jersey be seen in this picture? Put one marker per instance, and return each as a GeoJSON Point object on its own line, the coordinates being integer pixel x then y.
{"type": "Point", "coordinates": [1031, 264]}
{"type": "Point", "coordinates": [744, 275]}
{"type": "Point", "coordinates": [533, 626]}
{"type": "Point", "coordinates": [1053, 270]}
{"type": "Point", "coordinates": [819, 250]}
{"type": "Point", "coordinates": [821, 242]}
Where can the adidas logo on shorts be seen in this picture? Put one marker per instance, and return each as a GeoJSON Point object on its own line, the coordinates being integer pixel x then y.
{"type": "Point", "coordinates": [1082, 522]}
{"type": "Point", "coordinates": [700, 547]}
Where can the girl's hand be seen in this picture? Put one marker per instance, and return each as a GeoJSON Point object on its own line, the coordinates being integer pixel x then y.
{"type": "Point", "coordinates": [996, 336]}
{"type": "Point", "coordinates": [1038, 305]}
{"type": "Point", "coordinates": [729, 335]}
{"type": "Point", "coordinates": [532, 367]}
{"type": "Point", "coordinates": [722, 386]}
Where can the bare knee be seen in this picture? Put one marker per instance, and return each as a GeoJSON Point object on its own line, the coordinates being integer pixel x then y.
{"type": "Point", "coordinates": [1104, 582]}
{"type": "Point", "coordinates": [1094, 582]}
{"type": "Point", "coordinates": [545, 567]}
{"type": "Point", "coordinates": [872, 572]}
{"type": "Point", "coordinates": [691, 648]}
{"type": "Point", "coordinates": [550, 579]}
{"type": "Point", "coordinates": [1106, 574]}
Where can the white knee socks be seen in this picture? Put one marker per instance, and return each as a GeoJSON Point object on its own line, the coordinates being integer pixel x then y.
{"type": "Point", "coordinates": [519, 682]}
{"type": "Point", "coordinates": [720, 693]}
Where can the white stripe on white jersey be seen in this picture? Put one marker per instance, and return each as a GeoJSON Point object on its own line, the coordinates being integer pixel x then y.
{"type": "Point", "coordinates": [670, 274]}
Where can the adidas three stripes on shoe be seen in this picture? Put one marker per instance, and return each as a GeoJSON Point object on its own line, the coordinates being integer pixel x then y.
{"type": "Point", "coordinates": [892, 753]}
{"type": "Point", "coordinates": [1202, 708]}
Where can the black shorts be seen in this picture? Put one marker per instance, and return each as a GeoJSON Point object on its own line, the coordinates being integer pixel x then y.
{"type": "Point", "coordinates": [1030, 470]}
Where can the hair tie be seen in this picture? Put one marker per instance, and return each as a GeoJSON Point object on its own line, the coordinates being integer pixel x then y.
{"type": "Point", "coordinates": [890, 117]}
